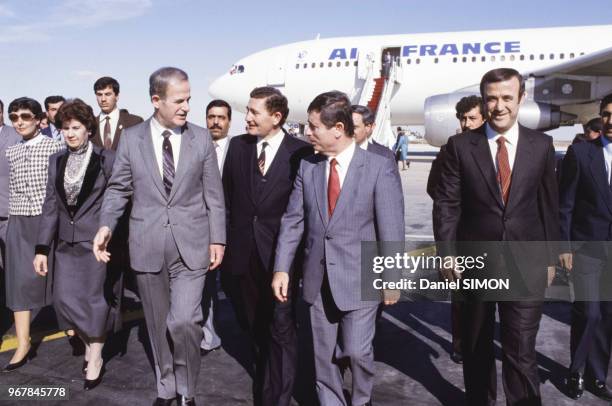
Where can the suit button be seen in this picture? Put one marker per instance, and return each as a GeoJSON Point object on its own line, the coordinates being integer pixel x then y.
{"type": "Point", "coordinates": [254, 218]}
{"type": "Point", "coordinates": [506, 218]}
{"type": "Point", "coordinates": [328, 237]}
{"type": "Point", "coordinates": [168, 206]}
{"type": "Point", "coordinates": [323, 262]}
{"type": "Point", "coordinates": [71, 222]}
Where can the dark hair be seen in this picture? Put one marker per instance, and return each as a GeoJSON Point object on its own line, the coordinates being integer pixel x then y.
{"type": "Point", "coordinates": [467, 103]}
{"type": "Point", "coordinates": [25, 103]}
{"type": "Point", "coordinates": [52, 100]}
{"type": "Point", "coordinates": [366, 114]}
{"type": "Point", "coordinates": [276, 102]}
{"type": "Point", "coordinates": [220, 103]}
{"type": "Point", "coordinates": [604, 102]}
{"type": "Point", "coordinates": [593, 124]}
{"type": "Point", "coordinates": [1, 106]}
{"type": "Point", "coordinates": [501, 75]}
{"type": "Point", "coordinates": [76, 109]}
{"type": "Point", "coordinates": [334, 107]}
{"type": "Point", "coordinates": [159, 80]}
{"type": "Point", "coordinates": [106, 81]}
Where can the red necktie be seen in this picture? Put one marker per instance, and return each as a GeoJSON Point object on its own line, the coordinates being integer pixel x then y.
{"type": "Point", "coordinates": [503, 169]}
{"type": "Point", "coordinates": [333, 187]}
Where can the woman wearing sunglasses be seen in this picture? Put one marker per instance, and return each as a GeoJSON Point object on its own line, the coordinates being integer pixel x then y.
{"type": "Point", "coordinates": [28, 162]}
{"type": "Point", "coordinates": [85, 292]}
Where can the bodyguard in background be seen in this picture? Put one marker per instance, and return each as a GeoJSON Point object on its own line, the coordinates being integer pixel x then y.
{"type": "Point", "coordinates": [83, 295]}
{"type": "Point", "coordinates": [585, 204]}
{"type": "Point", "coordinates": [363, 120]}
{"type": "Point", "coordinates": [28, 163]}
{"type": "Point", "coordinates": [168, 167]}
{"type": "Point", "coordinates": [52, 105]}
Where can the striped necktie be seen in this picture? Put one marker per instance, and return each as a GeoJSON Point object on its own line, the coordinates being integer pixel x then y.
{"type": "Point", "coordinates": [168, 162]}
{"type": "Point", "coordinates": [261, 161]}
{"type": "Point", "coordinates": [504, 173]}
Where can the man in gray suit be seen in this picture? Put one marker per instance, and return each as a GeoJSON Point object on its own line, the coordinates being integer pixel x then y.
{"type": "Point", "coordinates": [177, 227]}
{"type": "Point", "coordinates": [8, 137]}
{"type": "Point", "coordinates": [341, 197]}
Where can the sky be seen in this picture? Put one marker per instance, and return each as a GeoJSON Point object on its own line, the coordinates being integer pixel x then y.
{"type": "Point", "coordinates": [63, 46]}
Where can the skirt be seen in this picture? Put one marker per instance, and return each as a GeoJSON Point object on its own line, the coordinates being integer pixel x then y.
{"type": "Point", "coordinates": [25, 289]}
{"type": "Point", "coordinates": [87, 293]}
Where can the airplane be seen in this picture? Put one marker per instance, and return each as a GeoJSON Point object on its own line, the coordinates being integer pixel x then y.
{"type": "Point", "coordinates": [416, 79]}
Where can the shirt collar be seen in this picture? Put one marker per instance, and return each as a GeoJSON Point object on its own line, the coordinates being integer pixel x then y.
{"type": "Point", "coordinates": [511, 135]}
{"type": "Point", "coordinates": [344, 157]}
{"type": "Point", "coordinates": [160, 129]}
{"type": "Point", "coordinates": [33, 141]}
{"type": "Point", "coordinates": [114, 115]}
{"type": "Point", "coordinates": [273, 141]}
{"type": "Point", "coordinates": [221, 143]}
{"type": "Point", "coordinates": [607, 144]}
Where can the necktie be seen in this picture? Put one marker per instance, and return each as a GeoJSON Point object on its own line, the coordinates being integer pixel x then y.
{"type": "Point", "coordinates": [333, 187]}
{"type": "Point", "coordinates": [107, 140]}
{"type": "Point", "coordinates": [168, 162]}
{"type": "Point", "coordinates": [503, 169]}
{"type": "Point", "coordinates": [261, 161]}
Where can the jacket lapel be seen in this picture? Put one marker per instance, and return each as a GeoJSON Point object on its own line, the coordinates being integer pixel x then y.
{"type": "Point", "coordinates": [149, 158]}
{"type": "Point", "coordinates": [482, 156]}
{"type": "Point", "coordinates": [185, 157]}
{"type": "Point", "coordinates": [248, 165]}
{"type": "Point", "coordinates": [278, 169]}
{"type": "Point", "coordinates": [90, 180]}
{"type": "Point", "coordinates": [59, 178]}
{"type": "Point", "coordinates": [118, 130]}
{"type": "Point", "coordinates": [349, 186]}
{"type": "Point", "coordinates": [598, 171]}
{"type": "Point", "coordinates": [320, 187]}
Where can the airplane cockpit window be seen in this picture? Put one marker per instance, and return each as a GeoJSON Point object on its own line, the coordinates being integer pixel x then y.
{"type": "Point", "coordinates": [236, 69]}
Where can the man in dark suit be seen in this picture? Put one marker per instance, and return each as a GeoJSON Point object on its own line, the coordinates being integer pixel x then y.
{"type": "Point", "coordinates": [52, 105]}
{"type": "Point", "coordinates": [258, 175]}
{"type": "Point", "coordinates": [498, 184]}
{"type": "Point", "coordinates": [364, 122]}
{"type": "Point", "coordinates": [470, 113]}
{"type": "Point", "coordinates": [585, 203]}
{"type": "Point", "coordinates": [112, 121]}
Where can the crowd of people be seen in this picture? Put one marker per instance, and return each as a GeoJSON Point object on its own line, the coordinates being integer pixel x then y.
{"type": "Point", "coordinates": [90, 204]}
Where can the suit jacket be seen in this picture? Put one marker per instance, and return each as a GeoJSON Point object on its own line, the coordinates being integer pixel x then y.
{"type": "Point", "coordinates": [435, 173]}
{"type": "Point", "coordinates": [370, 208]}
{"type": "Point", "coordinates": [126, 120]}
{"type": "Point", "coordinates": [469, 206]}
{"type": "Point", "coordinates": [8, 137]}
{"type": "Point", "coordinates": [81, 223]}
{"type": "Point", "coordinates": [194, 210]}
{"type": "Point", "coordinates": [254, 220]}
{"type": "Point", "coordinates": [381, 150]}
{"type": "Point", "coordinates": [585, 198]}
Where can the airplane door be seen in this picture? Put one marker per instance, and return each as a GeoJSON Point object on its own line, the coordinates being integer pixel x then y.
{"type": "Point", "coordinates": [366, 58]}
{"type": "Point", "coordinates": [276, 71]}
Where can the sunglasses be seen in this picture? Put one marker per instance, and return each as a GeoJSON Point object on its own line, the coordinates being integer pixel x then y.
{"type": "Point", "coordinates": [24, 117]}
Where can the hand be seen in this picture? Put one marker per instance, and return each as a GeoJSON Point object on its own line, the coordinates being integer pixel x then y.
{"type": "Point", "coordinates": [552, 270]}
{"type": "Point", "coordinates": [567, 260]}
{"type": "Point", "coordinates": [100, 243]}
{"type": "Point", "coordinates": [216, 255]}
{"type": "Point", "coordinates": [391, 296]}
{"type": "Point", "coordinates": [280, 286]}
{"type": "Point", "coordinates": [447, 272]}
{"type": "Point", "coordinates": [40, 264]}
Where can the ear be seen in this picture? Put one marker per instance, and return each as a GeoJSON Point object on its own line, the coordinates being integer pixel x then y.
{"type": "Point", "coordinates": [523, 97]}
{"type": "Point", "coordinates": [339, 129]}
{"type": "Point", "coordinates": [277, 118]}
{"type": "Point", "coordinates": [155, 100]}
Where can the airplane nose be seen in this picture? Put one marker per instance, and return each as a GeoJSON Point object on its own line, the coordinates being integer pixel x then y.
{"type": "Point", "coordinates": [216, 88]}
{"type": "Point", "coordinates": [234, 89]}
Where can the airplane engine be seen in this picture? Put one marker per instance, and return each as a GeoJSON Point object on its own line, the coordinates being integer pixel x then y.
{"type": "Point", "coordinates": [441, 122]}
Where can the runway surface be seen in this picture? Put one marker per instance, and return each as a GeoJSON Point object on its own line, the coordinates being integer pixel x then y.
{"type": "Point", "coordinates": [412, 347]}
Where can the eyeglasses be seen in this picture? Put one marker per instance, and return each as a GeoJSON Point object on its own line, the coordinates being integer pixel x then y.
{"type": "Point", "coordinates": [24, 117]}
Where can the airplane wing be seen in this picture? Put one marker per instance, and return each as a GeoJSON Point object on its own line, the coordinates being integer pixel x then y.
{"type": "Point", "coordinates": [594, 64]}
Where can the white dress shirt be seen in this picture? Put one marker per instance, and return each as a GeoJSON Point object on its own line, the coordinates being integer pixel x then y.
{"type": "Point", "coordinates": [33, 141]}
{"type": "Point", "coordinates": [158, 140]}
{"type": "Point", "coordinates": [220, 146]}
{"type": "Point", "coordinates": [114, 120]}
{"type": "Point", "coordinates": [56, 133]}
{"type": "Point", "coordinates": [274, 143]}
{"type": "Point", "coordinates": [607, 151]}
{"type": "Point", "coordinates": [511, 137]}
{"type": "Point", "coordinates": [343, 160]}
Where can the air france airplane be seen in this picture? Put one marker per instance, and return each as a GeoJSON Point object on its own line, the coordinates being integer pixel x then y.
{"type": "Point", "coordinates": [416, 79]}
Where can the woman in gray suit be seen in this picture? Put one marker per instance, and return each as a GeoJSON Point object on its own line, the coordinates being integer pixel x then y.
{"type": "Point", "coordinates": [86, 292]}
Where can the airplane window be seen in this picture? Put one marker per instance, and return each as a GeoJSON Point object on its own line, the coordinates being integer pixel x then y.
{"type": "Point", "coordinates": [541, 57]}
{"type": "Point", "coordinates": [581, 53]}
{"type": "Point", "coordinates": [571, 55]}
{"type": "Point", "coordinates": [511, 57]}
{"type": "Point", "coordinates": [435, 60]}
{"type": "Point", "coordinates": [454, 59]}
{"type": "Point", "coordinates": [313, 65]}
{"type": "Point", "coordinates": [483, 59]}
{"type": "Point", "coordinates": [492, 58]}
{"type": "Point", "coordinates": [408, 61]}
{"type": "Point", "coordinates": [464, 59]}
{"type": "Point", "coordinates": [322, 64]}
{"type": "Point", "coordinates": [502, 58]}
{"type": "Point", "coordinates": [305, 65]}
{"type": "Point", "coordinates": [561, 56]}
{"type": "Point", "coordinates": [355, 63]}
{"type": "Point", "coordinates": [329, 65]}
{"type": "Point", "coordinates": [347, 63]}
{"type": "Point", "coordinates": [297, 66]}
{"type": "Point", "coordinates": [338, 63]}
{"type": "Point", "coordinates": [473, 59]}
{"type": "Point", "coordinates": [551, 56]}
{"type": "Point", "coordinates": [418, 60]}
{"type": "Point", "coordinates": [522, 57]}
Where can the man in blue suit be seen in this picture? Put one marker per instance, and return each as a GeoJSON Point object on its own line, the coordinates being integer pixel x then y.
{"type": "Point", "coordinates": [341, 197]}
{"type": "Point", "coordinates": [585, 205]}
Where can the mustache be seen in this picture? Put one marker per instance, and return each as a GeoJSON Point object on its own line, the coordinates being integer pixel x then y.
{"type": "Point", "coordinates": [215, 127]}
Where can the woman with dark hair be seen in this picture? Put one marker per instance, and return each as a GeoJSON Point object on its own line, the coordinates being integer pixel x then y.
{"type": "Point", "coordinates": [28, 162]}
{"type": "Point", "coordinates": [86, 293]}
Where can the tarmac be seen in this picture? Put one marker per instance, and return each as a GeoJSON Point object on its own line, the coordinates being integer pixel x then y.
{"type": "Point", "coordinates": [412, 346]}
